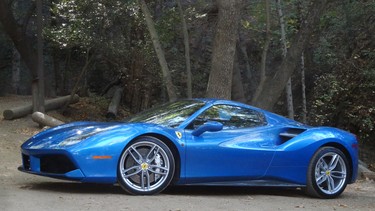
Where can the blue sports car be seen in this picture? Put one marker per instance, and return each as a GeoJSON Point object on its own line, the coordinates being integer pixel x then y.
{"type": "Point", "coordinates": [197, 142]}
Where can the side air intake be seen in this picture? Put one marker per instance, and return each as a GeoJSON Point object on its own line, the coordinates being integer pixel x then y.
{"type": "Point", "coordinates": [290, 133]}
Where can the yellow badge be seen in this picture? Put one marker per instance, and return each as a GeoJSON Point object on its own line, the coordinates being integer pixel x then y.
{"type": "Point", "coordinates": [178, 134]}
{"type": "Point", "coordinates": [144, 166]}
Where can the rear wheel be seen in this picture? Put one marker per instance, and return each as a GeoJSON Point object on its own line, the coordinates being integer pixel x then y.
{"type": "Point", "coordinates": [146, 166]}
{"type": "Point", "coordinates": [327, 175]}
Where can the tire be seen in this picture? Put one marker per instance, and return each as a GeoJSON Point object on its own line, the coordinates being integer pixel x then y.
{"type": "Point", "coordinates": [146, 166]}
{"type": "Point", "coordinates": [327, 175]}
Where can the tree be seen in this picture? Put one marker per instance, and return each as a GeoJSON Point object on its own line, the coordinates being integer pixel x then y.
{"type": "Point", "coordinates": [238, 93]}
{"type": "Point", "coordinates": [224, 48]}
{"type": "Point", "coordinates": [275, 85]}
{"type": "Point", "coordinates": [263, 64]}
{"type": "Point", "coordinates": [299, 5]}
{"type": "Point", "coordinates": [16, 71]}
{"type": "Point", "coordinates": [187, 50]}
{"type": "Point", "coordinates": [171, 89]}
{"type": "Point", "coordinates": [39, 104]}
{"type": "Point", "coordinates": [304, 106]}
{"type": "Point", "coordinates": [17, 34]}
{"type": "Point", "coordinates": [22, 43]}
{"type": "Point", "coordinates": [288, 88]}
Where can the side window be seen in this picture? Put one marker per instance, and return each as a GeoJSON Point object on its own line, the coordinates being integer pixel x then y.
{"type": "Point", "coordinates": [232, 117]}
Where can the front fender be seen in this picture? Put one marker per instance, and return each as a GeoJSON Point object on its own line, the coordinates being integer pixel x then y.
{"type": "Point", "coordinates": [98, 155]}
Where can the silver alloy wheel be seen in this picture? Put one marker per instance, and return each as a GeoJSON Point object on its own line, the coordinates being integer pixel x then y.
{"type": "Point", "coordinates": [144, 166]}
{"type": "Point", "coordinates": [330, 173]}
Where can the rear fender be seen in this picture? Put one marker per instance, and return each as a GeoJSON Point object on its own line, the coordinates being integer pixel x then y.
{"type": "Point", "coordinates": [294, 155]}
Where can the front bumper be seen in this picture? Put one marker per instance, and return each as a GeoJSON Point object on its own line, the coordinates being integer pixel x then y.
{"type": "Point", "coordinates": [51, 165]}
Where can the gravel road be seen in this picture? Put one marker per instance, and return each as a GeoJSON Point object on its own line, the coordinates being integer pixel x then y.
{"type": "Point", "coordinates": [20, 191]}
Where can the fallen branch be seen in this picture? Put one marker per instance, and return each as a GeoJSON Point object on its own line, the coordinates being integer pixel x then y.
{"type": "Point", "coordinates": [115, 82]}
{"type": "Point", "coordinates": [113, 106]}
{"type": "Point", "coordinates": [51, 104]}
{"type": "Point", "coordinates": [45, 120]}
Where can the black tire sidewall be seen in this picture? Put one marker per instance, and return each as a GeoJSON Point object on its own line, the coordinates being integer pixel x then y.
{"type": "Point", "coordinates": [162, 145]}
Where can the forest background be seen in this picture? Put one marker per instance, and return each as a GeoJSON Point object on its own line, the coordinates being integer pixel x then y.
{"type": "Point", "coordinates": [313, 61]}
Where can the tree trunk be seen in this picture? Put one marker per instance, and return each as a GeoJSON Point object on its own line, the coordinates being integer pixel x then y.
{"type": "Point", "coordinates": [289, 98]}
{"type": "Point", "coordinates": [299, 6]}
{"type": "Point", "coordinates": [23, 44]}
{"type": "Point", "coordinates": [16, 71]}
{"type": "Point", "coordinates": [59, 79]}
{"type": "Point", "coordinates": [40, 79]}
{"type": "Point", "coordinates": [167, 79]}
{"type": "Point", "coordinates": [262, 78]}
{"type": "Point", "coordinates": [238, 93]}
{"type": "Point", "coordinates": [45, 120]}
{"type": "Point", "coordinates": [51, 104]}
{"type": "Point", "coordinates": [35, 94]}
{"type": "Point", "coordinates": [187, 51]}
{"type": "Point", "coordinates": [276, 84]}
{"type": "Point", "coordinates": [224, 47]}
{"type": "Point", "coordinates": [135, 92]}
{"type": "Point", "coordinates": [49, 70]}
{"type": "Point", "coordinates": [304, 107]}
{"type": "Point", "coordinates": [288, 88]}
{"type": "Point", "coordinates": [242, 46]}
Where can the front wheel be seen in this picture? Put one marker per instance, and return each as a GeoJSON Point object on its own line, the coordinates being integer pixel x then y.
{"type": "Point", "coordinates": [327, 175]}
{"type": "Point", "coordinates": [146, 166]}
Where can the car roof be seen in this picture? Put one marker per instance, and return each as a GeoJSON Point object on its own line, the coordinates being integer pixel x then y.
{"type": "Point", "coordinates": [269, 115]}
{"type": "Point", "coordinates": [214, 101]}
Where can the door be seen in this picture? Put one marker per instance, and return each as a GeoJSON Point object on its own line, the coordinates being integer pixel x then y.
{"type": "Point", "coordinates": [242, 150]}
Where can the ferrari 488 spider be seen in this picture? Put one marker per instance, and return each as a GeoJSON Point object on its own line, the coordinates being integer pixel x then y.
{"type": "Point", "coordinates": [197, 142]}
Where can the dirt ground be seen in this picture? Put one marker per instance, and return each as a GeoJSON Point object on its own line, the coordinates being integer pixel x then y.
{"type": "Point", "coordinates": [20, 191]}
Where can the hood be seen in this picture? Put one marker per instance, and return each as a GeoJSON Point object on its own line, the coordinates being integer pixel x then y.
{"type": "Point", "coordinates": [67, 135]}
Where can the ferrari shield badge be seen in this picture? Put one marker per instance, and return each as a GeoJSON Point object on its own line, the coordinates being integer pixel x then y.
{"type": "Point", "coordinates": [179, 134]}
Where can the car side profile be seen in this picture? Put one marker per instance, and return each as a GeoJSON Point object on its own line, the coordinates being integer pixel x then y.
{"type": "Point", "coordinates": [197, 142]}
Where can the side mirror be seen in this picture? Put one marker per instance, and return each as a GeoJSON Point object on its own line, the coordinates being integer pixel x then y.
{"type": "Point", "coordinates": [208, 126]}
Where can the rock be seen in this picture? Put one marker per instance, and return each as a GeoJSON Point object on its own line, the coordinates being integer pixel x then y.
{"type": "Point", "coordinates": [364, 172]}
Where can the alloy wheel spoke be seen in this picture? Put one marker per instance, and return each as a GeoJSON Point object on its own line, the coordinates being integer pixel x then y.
{"type": "Point", "coordinates": [330, 183]}
{"type": "Point", "coordinates": [323, 165]}
{"type": "Point", "coordinates": [158, 172]}
{"type": "Point", "coordinates": [142, 180]}
{"type": "Point", "coordinates": [145, 180]}
{"type": "Point", "coordinates": [139, 159]}
{"type": "Point", "coordinates": [335, 159]}
{"type": "Point", "coordinates": [321, 179]}
{"type": "Point", "coordinates": [338, 174]}
{"type": "Point", "coordinates": [154, 149]}
{"type": "Point", "coordinates": [131, 174]}
{"type": "Point", "coordinates": [151, 150]}
{"type": "Point", "coordinates": [159, 167]}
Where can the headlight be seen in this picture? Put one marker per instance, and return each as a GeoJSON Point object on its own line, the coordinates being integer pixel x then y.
{"type": "Point", "coordinates": [72, 141]}
{"type": "Point", "coordinates": [81, 135]}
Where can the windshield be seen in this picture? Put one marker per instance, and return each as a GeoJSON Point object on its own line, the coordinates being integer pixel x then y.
{"type": "Point", "coordinates": [170, 114]}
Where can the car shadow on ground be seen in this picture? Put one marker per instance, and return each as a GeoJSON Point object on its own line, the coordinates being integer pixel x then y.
{"type": "Point", "coordinates": [89, 188]}
{"type": "Point", "coordinates": [233, 190]}
{"type": "Point", "coordinates": [74, 187]}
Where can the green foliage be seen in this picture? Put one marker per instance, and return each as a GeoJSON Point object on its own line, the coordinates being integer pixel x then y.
{"type": "Point", "coordinates": [344, 93]}
{"type": "Point", "coordinates": [87, 24]}
{"type": "Point", "coordinates": [345, 98]}
{"type": "Point", "coordinates": [167, 26]}
{"type": "Point", "coordinates": [327, 52]}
